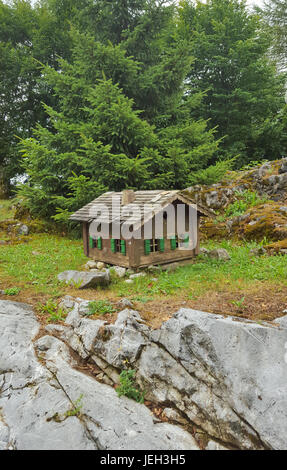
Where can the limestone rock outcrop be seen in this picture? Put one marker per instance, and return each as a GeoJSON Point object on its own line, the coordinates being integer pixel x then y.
{"type": "Point", "coordinates": [227, 376]}
{"type": "Point", "coordinates": [47, 404]}
{"type": "Point", "coordinates": [221, 378]}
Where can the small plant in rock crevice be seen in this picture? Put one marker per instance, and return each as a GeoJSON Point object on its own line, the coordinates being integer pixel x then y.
{"type": "Point", "coordinates": [99, 307]}
{"type": "Point", "coordinates": [127, 386]}
{"type": "Point", "coordinates": [56, 313]}
{"type": "Point", "coordinates": [75, 409]}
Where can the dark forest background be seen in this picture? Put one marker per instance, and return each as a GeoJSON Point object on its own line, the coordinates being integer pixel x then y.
{"type": "Point", "coordinates": [105, 95]}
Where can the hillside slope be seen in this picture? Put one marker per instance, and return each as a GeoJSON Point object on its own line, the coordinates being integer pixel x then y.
{"type": "Point", "coordinates": [248, 205]}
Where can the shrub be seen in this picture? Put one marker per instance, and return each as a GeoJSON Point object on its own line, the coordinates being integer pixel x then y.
{"type": "Point", "coordinates": [212, 174]}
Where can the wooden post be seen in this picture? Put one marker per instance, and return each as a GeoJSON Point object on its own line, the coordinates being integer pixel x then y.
{"type": "Point", "coordinates": [4, 185]}
{"type": "Point", "coordinates": [197, 249]}
{"type": "Point", "coordinates": [86, 238]}
{"type": "Point", "coordinates": [134, 254]}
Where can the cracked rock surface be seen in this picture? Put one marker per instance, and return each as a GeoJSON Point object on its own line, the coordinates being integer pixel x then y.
{"type": "Point", "coordinates": [40, 390]}
{"type": "Point", "coordinates": [227, 376]}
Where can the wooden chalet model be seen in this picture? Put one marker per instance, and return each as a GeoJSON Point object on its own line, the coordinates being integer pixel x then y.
{"type": "Point", "coordinates": [141, 252]}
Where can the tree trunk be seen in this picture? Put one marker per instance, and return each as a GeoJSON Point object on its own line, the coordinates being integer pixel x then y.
{"type": "Point", "coordinates": [4, 185]}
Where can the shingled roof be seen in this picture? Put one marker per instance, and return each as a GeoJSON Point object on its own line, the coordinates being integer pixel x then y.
{"type": "Point", "coordinates": [156, 199]}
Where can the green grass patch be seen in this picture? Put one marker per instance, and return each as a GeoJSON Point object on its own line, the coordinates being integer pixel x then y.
{"type": "Point", "coordinates": [52, 255]}
{"type": "Point", "coordinates": [246, 200]}
{"type": "Point", "coordinates": [12, 291]}
{"type": "Point", "coordinates": [53, 312]}
{"type": "Point", "coordinates": [6, 210]}
{"type": "Point", "coordinates": [100, 307]}
{"type": "Point", "coordinates": [210, 274]}
{"type": "Point", "coordinates": [21, 269]}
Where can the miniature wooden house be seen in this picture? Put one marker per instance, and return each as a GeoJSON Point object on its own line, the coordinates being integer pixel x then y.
{"type": "Point", "coordinates": [141, 251]}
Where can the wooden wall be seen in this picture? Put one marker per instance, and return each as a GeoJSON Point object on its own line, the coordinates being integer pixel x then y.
{"type": "Point", "coordinates": [135, 250]}
{"type": "Point", "coordinates": [107, 256]}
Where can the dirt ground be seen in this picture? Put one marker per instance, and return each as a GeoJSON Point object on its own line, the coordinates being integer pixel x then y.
{"type": "Point", "coordinates": [261, 302]}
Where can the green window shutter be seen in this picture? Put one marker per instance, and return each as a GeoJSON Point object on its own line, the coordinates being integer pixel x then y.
{"type": "Point", "coordinates": [161, 244]}
{"type": "Point", "coordinates": [113, 245]}
{"type": "Point", "coordinates": [100, 245]}
{"type": "Point", "coordinates": [147, 247]}
{"type": "Point", "coordinates": [91, 242]}
{"type": "Point", "coordinates": [123, 247]}
{"type": "Point", "coordinates": [173, 243]}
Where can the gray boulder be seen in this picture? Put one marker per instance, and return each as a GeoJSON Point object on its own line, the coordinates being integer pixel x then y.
{"type": "Point", "coordinates": [283, 168]}
{"type": "Point", "coordinates": [277, 182]}
{"type": "Point", "coordinates": [259, 251]}
{"type": "Point", "coordinates": [49, 405]}
{"type": "Point", "coordinates": [264, 169]}
{"type": "Point", "coordinates": [224, 376]}
{"type": "Point", "coordinates": [23, 230]}
{"type": "Point", "coordinates": [227, 376]}
{"type": "Point", "coordinates": [91, 264]}
{"type": "Point", "coordinates": [137, 275]}
{"type": "Point", "coordinates": [219, 253]}
{"type": "Point", "coordinates": [125, 303]}
{"type": "Point", "coordinates": [119, 271]}
{"type": "Point", "coordinates": [204, 251]}
{"type": "Point", "coordinates": [212, 200]}
{"type": "Point", "coordinates": [85, 280]}
{"type": "Point", "coordinates": [100, 265]}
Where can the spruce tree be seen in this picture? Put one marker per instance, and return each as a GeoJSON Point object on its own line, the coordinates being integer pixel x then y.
{"type": "Point", "coordinates": [244, 93]}
{"type": "Point", "coordinates": [98, 140]}
{"type": "Point", "coordinates": [275, 12]}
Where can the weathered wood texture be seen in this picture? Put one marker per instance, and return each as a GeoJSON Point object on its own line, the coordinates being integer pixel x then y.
{"type": "Point", "coordinates": [160, 205]}
{"type": "Point", "coordinates": [155, 199]}
{"type": "Point", "coordinates": [135, 249]}
{"type": "Point", "coordinates": [86, 238]}
{"type": "Point", "coordinates": [107, 256]}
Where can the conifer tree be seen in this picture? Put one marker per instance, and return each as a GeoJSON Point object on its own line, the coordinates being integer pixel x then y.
{"type": "Point", "coordinates": [244, 92]}
{"type": "Point", "coordinates": [98, 140]}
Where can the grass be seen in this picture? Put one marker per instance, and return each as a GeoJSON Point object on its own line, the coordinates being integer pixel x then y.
{"type": "Point", "coordinates": [56, 254]}
{"type": "Point", "coordinates": [35, 265]}
{"type": "Point", "coordinates": [100, 307]}
{"type": "Point", "coordinates": [246, 200]}
{"type": "Point", "coordinates": [206, 273]}
{"type": "Point", "coordinates": [6, 211]}
{"type": "Point", "coordinates": [12, 291]}
{"type": "Point", "coordinates": [51, 311]}
{"type": "Point", "coordinates": [32, 278]}
{"type": "Point", "coordinates": [76, 407]}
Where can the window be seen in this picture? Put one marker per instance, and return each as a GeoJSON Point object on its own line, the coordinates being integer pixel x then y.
{"type": "Point", "coordinates": [92, 242]}
{"type": "Point", "coordinates": [96, 243]}
{"type": "Point", "coordinates": [179, 241]}
{"type": "Point", "coordinates": [183, 241]}
{"type": "Point", "coordinates": [118, 246]}
{"type": "Point", "coordinates": [154, 245]}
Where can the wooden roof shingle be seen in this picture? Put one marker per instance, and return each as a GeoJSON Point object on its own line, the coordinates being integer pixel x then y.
{"type": "Point", "coordinates": [154, 200]}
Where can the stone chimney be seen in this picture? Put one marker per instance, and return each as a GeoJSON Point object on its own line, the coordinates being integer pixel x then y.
{"type": "Point", "coordinates": [128, 196]}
